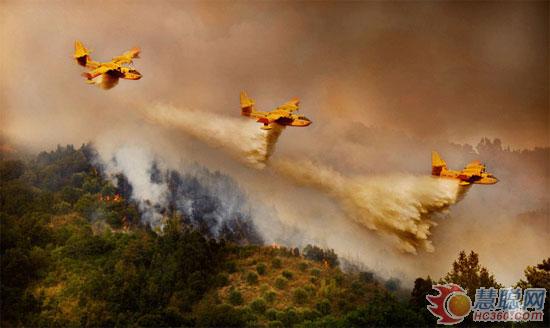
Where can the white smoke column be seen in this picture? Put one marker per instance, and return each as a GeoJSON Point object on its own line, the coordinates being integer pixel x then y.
{"type": "Point", "coordinates": [398, 206]}
{"type": "Point", "coordinates": [136, 164]}
{"type": "Point", "coordinates": [241, 137]}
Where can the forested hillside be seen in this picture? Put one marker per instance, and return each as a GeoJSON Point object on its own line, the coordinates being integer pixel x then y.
{"type": "Point", "coordinates": [74, 252]}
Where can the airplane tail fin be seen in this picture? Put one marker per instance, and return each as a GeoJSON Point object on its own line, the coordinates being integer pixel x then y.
{"type": "Point", "coordinates": [247, 104]}
{"type": "Point", "coordinates": [81, 54]}
{"type": "Point", "coordinates": [438, 164]}
{"type": "Point", "coordinates": [135, 52]}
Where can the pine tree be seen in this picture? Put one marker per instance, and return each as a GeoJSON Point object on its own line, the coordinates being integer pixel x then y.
{"type": "Point", "coordinates": [469, 274]}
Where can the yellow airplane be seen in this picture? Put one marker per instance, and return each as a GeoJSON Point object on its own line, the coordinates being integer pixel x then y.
{"type": "Point", "coordinates": [472, 173]}
{"type": "Point", "coordinates": [110, 72]}
{"type": "Point", "coordinates": [282, 115]}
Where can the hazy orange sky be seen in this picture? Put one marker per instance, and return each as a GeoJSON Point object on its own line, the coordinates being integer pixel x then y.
{"type": "Point", "coordinates": [454, 71]}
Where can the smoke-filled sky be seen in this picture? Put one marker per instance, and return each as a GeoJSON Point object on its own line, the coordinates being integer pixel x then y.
{"type": "Point", "coordinates": [453, 70]}
{"type": "Point", "coordinates": [384, 84]}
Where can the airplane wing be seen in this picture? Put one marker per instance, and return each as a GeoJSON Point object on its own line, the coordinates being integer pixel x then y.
{"type": "Point", "coordinates": [130, 74]}
{"type": "Point", "coordinates": [92, 64]}
{"type": "Point", "coordinates": [474, 165]}
{"type": "Point", "coordinates": [267, 118]}
{"type": "Point", "coordinates": [126, 58]}
{"type": "Point", "coordinates": [101, 69]}
{"type": "Point", "coordinates": [272, 117]}
{"type": "Point", "coordinates": [291, 105]}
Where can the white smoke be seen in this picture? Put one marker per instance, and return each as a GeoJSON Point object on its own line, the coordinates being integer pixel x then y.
{"type": "Point", "coordinates": [399, 206]}
{"type": "Point", "coordinates": [209, 200]}
{"type": "Point", "coordinates": [136, 163]}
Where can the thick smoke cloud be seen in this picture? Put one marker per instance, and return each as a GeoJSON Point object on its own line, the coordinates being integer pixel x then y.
{"type": "Point", "coordinates": [373, 63]}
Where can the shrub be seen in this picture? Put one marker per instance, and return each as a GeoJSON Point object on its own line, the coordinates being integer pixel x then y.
{"type": "Point", "coordinates": [289, 317]}
{"type": "Point", "coordinates": [357, 288]}
{"type": "Point", "coordinates": [276, 263]}
{"type": "Point", "coordinates": [281, 282]}
{"type": "Point", "coordinates": [62, 207]}
{"type": "Point", "coordinates": [261, 268]}
{"type": "Point", "coordinates": [310, 289]}
{"type": "Point", "coordinates": [303, 266]}
{"type": "Point", "coordinates": [309, 314]}
{"type": "Point", "coordinates": [339, 279]}
{"type": "Point", "coordinates": [264, 288]}
{"type": "Point", "coordinates": [316, 272]}
{"type": "Point", "coordinates": [222, 279]}
{"type": "Point", "coordinates": [275, 324]}
{"type": "Point", "coordinates": [231, 266]}
{"type": "Point", "coordinates": [376, 315]}
{"type": "Point", "coordinates": [252, 278]}
{"type": "Point", "coordinates": [392, 284]}
{"type": "Point", "coordinates": [299, 295]}
{"type": "Point", "coordinates": [113, 220]}
{"type": "Point", "coordinates": [321, 255]}
{"type": "Point", "coordinates": [287, 274]}
{"type": "Point", "coordinates": [258, 305]}
{"type": "Point", "coordinates": [327, 321]}
{"type": "Point", "coordinates": [323, 306]}
{"type": "Point", "coordinates": [271, 314]}
{"type": "Point", "coordinates": [366, 277]}
{"type": "Point", "coordinates": [270, 296]}
{"type": "Point", "coordinates": [224, 316]}
{"type": "Point", "coordinates": [150, 320]}
{"type": "Point", "coordinates": [235, 297]}
{"type": "Point", "coordinates": [346, 305]}
{"type": "Point", "coordinates": [247, 251]}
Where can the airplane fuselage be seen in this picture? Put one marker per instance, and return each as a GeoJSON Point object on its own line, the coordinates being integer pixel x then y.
{"type": "Point", "coordinates": [300, 122]}
{"type": "Point", "coordinates": [291, 120]}
{"type": "Point", "coordinates": [467, 178]}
